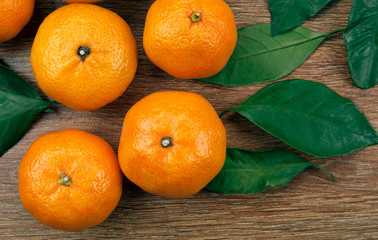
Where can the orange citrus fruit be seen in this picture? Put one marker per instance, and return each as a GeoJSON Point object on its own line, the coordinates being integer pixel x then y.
{"type": "Point", "coordinates": [84, 56]}
{"type": "Point", "coordinates": [82, 1]}
{"type": "Point", "coordinates": [190, 38]}
{"type": "Point", "coordinates": [70, 180]}
{"type": "Point", "coordinates": [14, 15]}
{"type": "Point", "coordinates": [172, 144]}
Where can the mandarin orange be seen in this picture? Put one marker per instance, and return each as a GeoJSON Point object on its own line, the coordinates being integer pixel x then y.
{"type": "Point", "coordinates": [70, 180]}
{"type": "Point", "coordinates": [190, 38]}
{"type": "Point", "coordinates": [14, 15]}
{"type": "Point", "coordinates": [172, 144]}
{"type": "Point", "coordinates": [84, 56]}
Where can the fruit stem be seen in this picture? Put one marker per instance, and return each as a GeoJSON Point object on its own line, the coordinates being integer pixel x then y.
{"type": "Point", "coordinates": [166, 142]}
{"type": "Point", "coordinates": [64, 180]}
{"type": "Point", "coordinates": [83, 52]}
{"type": "Point", "coordinates": [196, 17]}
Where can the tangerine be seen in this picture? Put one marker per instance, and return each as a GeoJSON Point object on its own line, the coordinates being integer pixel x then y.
{"type": "Point", "coordinates": [14, 15]}
{"type": "Point", "coordinates": [70, 180]}
{"type": "Point", "coordinates": [190, 38]}
{"type": "Point", "coordinates": [172, 144]}
{"type": "Point", "coordinates": [84, 56]}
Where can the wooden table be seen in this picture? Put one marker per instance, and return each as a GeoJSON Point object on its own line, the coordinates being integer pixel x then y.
{"type": "Point", "coordinates": [309, 207]}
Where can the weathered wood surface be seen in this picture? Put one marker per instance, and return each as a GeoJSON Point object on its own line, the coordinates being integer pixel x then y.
{"type": "Point", "coordinates": [310, 207]}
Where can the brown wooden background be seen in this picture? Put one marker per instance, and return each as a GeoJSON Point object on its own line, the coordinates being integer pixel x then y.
{"type": "Point", "coordinates": [310, 207]}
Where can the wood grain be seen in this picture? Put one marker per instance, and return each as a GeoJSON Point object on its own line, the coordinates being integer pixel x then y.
{"type": "Point", "coordinates": [310, 207]}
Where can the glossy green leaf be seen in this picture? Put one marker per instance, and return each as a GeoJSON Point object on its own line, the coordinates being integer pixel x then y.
{"type": "Point", "coordinates": [254, 172]}
{"type": "Point", "coordinates": [19, 105]}
{"type": "Point", "coordinates": [361, 38]}
{"type": "Point", "coordinates": [287, 14]}
{"type": "Point", "coordinates": [13, 83]}
{"type": "Point", "coordinates": [310, 117]}
{"type": "Point", "coordinates": [259, 57]}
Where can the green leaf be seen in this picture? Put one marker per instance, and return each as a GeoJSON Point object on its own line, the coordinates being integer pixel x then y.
{"type": "Point", "coordinates": [12, 83]}
{"type": "Point", "coordinates": [19, 105]}
{"type": "Point", "coordinates": [287, 14]}
{"type": "Point", "coordinates": [310, 117]}
{"type": "Point", "coordinates": [254, 172]}
{"type": "Point", "coordinates": [361, 39]}
{"type": "Point", "coordinates": [259, 57]}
